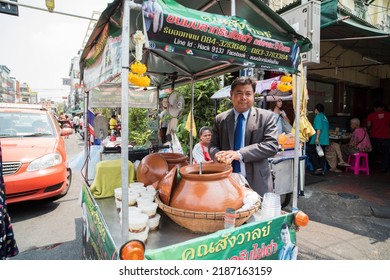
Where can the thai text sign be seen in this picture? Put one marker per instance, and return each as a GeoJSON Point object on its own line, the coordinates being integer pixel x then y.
{"type": "Point", "coordinates": [253, 241]}
{"type": "Point", "coordinates": [97, 241]}
{"type": "Point", "coordinates": [173, 28]}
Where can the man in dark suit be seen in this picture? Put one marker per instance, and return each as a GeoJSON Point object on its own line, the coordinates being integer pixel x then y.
{"type": "Point", "coordinates": [259, 137]}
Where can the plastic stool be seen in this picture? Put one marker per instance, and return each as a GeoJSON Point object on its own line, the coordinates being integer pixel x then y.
{"type": "Point", "coordinates": [358, 162]}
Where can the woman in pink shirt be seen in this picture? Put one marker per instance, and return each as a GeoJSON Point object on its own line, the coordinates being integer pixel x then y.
{"type": "Point", "coordinates": [360, 140]}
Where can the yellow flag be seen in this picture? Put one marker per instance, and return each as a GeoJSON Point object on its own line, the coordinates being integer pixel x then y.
{"type": "Point", "coordinates": [188, 124]}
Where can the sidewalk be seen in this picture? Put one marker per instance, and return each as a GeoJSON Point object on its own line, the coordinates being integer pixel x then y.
{"type": "Point", "coordinates": [349, 217]}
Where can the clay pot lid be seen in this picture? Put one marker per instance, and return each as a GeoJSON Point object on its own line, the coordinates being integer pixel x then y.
{"type": "Point", "coordinates": [174, 157]}
{"type": "Point", "coordinates": [166, 185]}
{"type": "Point", "coordinates": [152, 168]}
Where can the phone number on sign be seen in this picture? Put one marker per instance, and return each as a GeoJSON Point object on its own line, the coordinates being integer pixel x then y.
{"type": "Point", "coordinates": [275, 55]}
{"type": "Point", "coordinates": [232, 45]}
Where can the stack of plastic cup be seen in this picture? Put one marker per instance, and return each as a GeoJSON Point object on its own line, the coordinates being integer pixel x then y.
{"type": "Point", "coordinates": [270, 206]}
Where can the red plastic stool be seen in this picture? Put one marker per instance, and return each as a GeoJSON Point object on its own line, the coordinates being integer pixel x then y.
{"type": "Point", "coordinates": [358, 162]}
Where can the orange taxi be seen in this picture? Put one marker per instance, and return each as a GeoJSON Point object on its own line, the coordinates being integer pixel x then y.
{"type": "Point", "coordinates": [34, 157]}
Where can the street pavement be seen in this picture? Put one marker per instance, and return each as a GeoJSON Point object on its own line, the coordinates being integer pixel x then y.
{"type": "Point", "coordinates": [349, 217]}
{"type": "Point", "coordinates": [51, 231]}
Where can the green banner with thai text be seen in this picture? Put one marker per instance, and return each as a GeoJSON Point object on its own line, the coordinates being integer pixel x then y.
{"type": "Point", "coordinates": [97, 241]}
{"type": "Point", "coordinates": [174, 28]}
{"type": "Point", "coordinates": [272, 239]}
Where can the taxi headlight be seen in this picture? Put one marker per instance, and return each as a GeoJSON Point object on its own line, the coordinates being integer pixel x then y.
{"type": "Point", "coordinates": [46, 161]}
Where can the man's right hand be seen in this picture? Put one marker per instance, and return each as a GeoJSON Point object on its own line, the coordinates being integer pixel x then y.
{"type": "Point", "coordinates": [227, 157]}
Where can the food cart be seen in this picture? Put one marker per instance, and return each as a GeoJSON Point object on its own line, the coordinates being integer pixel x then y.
{"type": "Point", "coordinates": [187, 41]}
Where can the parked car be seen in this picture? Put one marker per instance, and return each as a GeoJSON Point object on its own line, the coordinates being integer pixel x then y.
{"type": "Point", "coordinates": [34, 156]}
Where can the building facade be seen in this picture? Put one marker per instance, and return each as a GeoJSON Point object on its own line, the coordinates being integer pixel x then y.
{"type": "Point", "coordinates": [354, 57]}
{"type": "Point", "coordinates": [8, 85]}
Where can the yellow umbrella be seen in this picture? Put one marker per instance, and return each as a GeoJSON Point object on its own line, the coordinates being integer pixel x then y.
{"type": "Point", "coordinates": [188, 124]}
{"type": "Point", "coordinates": [306, 130]}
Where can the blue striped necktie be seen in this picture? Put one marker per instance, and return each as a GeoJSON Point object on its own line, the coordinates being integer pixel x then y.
{"type": "Point", "coordinates": [238, 141]}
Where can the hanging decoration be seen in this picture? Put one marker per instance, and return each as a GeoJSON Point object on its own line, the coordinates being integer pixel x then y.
{"type": "Point", "coordinates": [137, 75]}
{"type": "Point", "coordinates": [285, 83]}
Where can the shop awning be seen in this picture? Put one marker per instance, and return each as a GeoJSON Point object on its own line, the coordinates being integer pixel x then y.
{"type": "Point", "coordinates": [340, 26]}
{"type": "Point", "coordinates": [207, 53]}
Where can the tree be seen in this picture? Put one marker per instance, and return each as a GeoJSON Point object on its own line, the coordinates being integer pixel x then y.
{"type": "Point", "coordinates": [205, 108]}
{"type": "Point", "coordinates": [142, 122]}
{"type": "Point", "coordinates": [139, 129]}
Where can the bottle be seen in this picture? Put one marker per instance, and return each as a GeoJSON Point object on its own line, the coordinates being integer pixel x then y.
{"type": "Point", "coordinates": [230, 218]}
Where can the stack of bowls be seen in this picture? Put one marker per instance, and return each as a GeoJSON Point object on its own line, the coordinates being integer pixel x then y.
{"type": "Point", "coordinates": [132, 197]}
{"type": "Point", "coordinates": [132, 200]}
{"type": "Point", "coordinates": [137, 187]}
{"type": "Point", "coordinates": [149, 208]}
{"type": "Point", "coordinates": [133, 210]}
{"type": "Point", "coordinates": [118, 198]}
{"type": "Point", "coordinates": [150, 191]}
{"type": "Point", "coordinates": [150, 188]}
{"type": "Point", "coordinates": [271, 206]}
{"type": "Point", "coordinates": [154, 222]}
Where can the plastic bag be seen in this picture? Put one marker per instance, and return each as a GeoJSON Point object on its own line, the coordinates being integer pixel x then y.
{"type": "Point", "coordinates": [319, 150]}
{"type": "Point", "coordinates": [176, 146]}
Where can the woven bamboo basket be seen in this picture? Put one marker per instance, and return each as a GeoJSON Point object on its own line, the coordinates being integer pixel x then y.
{"type": "Point", "coordinates": [203, 222]}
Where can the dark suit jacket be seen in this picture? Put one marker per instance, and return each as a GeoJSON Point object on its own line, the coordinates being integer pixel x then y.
{"type": "Point", "coordinates": [260, 144]}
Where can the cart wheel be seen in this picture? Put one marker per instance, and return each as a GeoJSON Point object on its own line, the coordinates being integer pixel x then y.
{"type": "Point", "coordinates": [285, 199]}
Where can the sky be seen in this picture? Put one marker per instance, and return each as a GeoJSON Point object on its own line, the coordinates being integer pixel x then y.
{"type": "Point", "coordinates": [38, 46]}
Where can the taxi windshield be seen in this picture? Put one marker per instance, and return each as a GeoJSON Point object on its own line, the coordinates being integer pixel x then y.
{"type": "Point", "coordinates": [23, 124]}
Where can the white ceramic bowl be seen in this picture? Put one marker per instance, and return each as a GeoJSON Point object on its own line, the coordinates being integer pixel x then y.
{"type": "Point", "coordinates": [118, 193]}
{"type": "Point", "coordinates": [136, 185]}
{"type": "Point", "coordinates": [154, 222]}
{"type": "Point", "coordinates": [132, 198]}
{"type": "Point", "coordinates": [118, 204]}
{"type": "Point", "coordinates": [133, 210]}
{"type": "Point", "coordinates": [150, 189]}
{"type": "Point", "coordinates": [149, 208]}
{"type": "Point", "coordinates": [148, 196]}
{"type": "Point", "coordinates": [142, 235]}
{"type": "Point", "coordinates": [140, 191]}
{"type": "Point", "coordinates": [137, 221]}
{"type": "Point", "coordinates": [142, 200]}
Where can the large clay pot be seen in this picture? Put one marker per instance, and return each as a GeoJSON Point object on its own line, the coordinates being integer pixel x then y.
{"type": "Point", "coordinates": [175, 159]}
{"type": "Point", "coordinates": [212, 191]}
{"type": "Point", "coordinates": [151, 169]}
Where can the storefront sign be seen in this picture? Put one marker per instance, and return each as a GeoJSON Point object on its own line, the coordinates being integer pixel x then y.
{"type": "Point", "coordinates": [103, 62]}
{"type": "Point", "coordinates": [109, 96]}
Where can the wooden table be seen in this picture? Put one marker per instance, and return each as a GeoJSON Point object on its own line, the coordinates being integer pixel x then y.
{"type": "Point", "coordinates": [341, 139]}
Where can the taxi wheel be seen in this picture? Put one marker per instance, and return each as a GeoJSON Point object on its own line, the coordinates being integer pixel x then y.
{"type": "Point", "coordinates": [68, 182]}
{"type": "Point", "coordinates": [68, 179]}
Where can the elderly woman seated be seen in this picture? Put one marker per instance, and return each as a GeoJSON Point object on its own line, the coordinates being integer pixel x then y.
{"type": "Point", "coordinates": [359, 142]}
